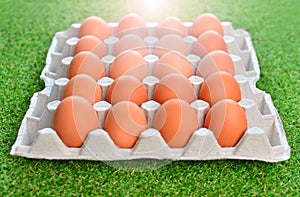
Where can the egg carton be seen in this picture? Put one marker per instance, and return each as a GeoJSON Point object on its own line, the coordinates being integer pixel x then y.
{"type": "Point", "coordinates": [264, 139]}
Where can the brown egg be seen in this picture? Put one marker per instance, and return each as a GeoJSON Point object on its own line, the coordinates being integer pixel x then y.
{"type": "Point", "coordinates": [177, 121]}
{"type": "Point", "coordinates": [129, 63]}
{"type": "Point", "coordinates": [131, 24]}
{"type": "Point", "coordinates": [74, 119]}
{"type": "Point", "coordinates": [127, 87]}
{"type": "Point", "coordinates": [206, 22]}
{"type": "Point", "coordinates": [213, 62]}
{"type": "Point", "coordinates": [207, 42]}
{"type": "Point", "coordinates": [95, 26]}
{"type": "Point", "coordinates": [228, 122]}
{"type": "Point", "coordinates": [131, 42]}
{"type": "Point", "coordinates": [84, 86]}
{"type": "Point", "coordinates": [173, 86]}
{"type": "Point", "coordinates": [124, 123]}
{"type": "Point", "coordinates": [172, 62]}
{"type": "Point", "coordinates": [87, 63]}
{"type": "Point", "coordinates": [171, 42]}
{"type": "Point", "coordinates": [92, 44]}
{"type": "Point", "coordinates": [218, 86]}
{"type": "Point", "coordinates": [170, 25]}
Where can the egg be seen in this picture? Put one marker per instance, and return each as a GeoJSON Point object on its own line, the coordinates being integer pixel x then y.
{"type": "Point", "coordinates": [177, 121]}
{"type": "Point", "coordinates": [95, 26]}
{"type": "Point", "coordinates": [171, 42]}
{"type": "Point", "coordinates": [129, 63]}
{"type": "Point", "coordinates": [228, 122]}
{"type": "Point", "coordinates": [127, 87]}
{"type": "Point", "coordinates": [170, 25]}
{"type": "Point", "coordinates": [206, 22]}
{"type": "Point", "coordinates": [87, 63]}
{"type": "Point", "coordinates": [131, 41]}
{"type": "Point", "coordinates": [172, 62]}
{"type": "Point", "coordinates": [207, 42]}
{"type": "Point", "coordinates": [92, 44]}
{"type": "Point", "coordinates": [131, 24]}
{"type": "Point", "coordinates": [84, 86]}
{"type": "Point", "coordinates": [124, 123]}
{"type": "Point", "coordinates": [218, 86]}
{"type": "Point", "coordinates": [73, 120]}
{"type": "Point", "coordinates": [174, 86]}
{"type": "Point", "coordinates": [213, 62]}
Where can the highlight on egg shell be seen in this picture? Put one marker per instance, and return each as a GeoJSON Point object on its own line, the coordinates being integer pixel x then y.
{"type": "Point", "coordinates": [170, 25]}
{"type": "Point", "coordinates": [124, 123]}
{"type": "Point", "coordinates": [177, 121]}
{"type": "Point", "coordinates": [86, 62]}
{"type": "Point", "coordinates": [95, 26]}
{"type": "Point", "coordinates": [73, 120]}
{"type": "Point", "coordinates": [91, 43]}
{"type": "Point", "coordinates": [131, 42]}
{"type": "Point", "coordinates": [174, 86]}
{"type": "Point", "coordinates": [228, 121]}
{"type": "Point", "coordinates": [218, 86]}
{"type": "Point", "coordinates": [129, 62]}
{"type": "Point", "coordinates": [172, 62]}
{"type": "Point", "coordinates": [207, 42]}
{"type": "Point", "coordinates": [213, 62]}
{"type": "Point", "coordinates": [171, 42]}
{"type": "Point", "coordinates": [84, 86]}
{"type": "Point", "coordinates": [206, 22]}
{"type": "Point", "coordinates": [131, 24]}
{"type": "Point", "coordinates": [129, 88]}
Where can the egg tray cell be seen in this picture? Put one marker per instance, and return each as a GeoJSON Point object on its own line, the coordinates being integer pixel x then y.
{"type": "Point", "coordinates": [264, 139]}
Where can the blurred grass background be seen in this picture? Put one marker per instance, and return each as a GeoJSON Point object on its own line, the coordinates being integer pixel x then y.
{"type": "Point", "coordinates": [26, 31]}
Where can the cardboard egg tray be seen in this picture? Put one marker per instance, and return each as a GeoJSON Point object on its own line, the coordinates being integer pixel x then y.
{"type": "Point", "coordinates": [264, 139]}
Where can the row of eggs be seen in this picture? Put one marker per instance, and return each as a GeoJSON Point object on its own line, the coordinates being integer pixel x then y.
{"type": "Point", "coordinates": [206, 42]}
{"type": "Point", "coordinates": [176, 119]}
{"type": "Point", "coordinates": [218, 86]}
{"type": "Point", "coordinates": [133, 23]}
{"type": "Point", "coordinates": [132, 62]}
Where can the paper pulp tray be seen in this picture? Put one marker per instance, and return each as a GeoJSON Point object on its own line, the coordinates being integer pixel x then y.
{"type": "Point", "coordinates": [264, 139]}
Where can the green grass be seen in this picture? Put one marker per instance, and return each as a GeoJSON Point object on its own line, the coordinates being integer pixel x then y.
{"type": "Point", "coordinates": [26, 30]}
